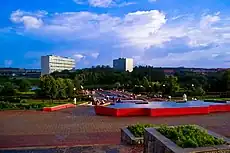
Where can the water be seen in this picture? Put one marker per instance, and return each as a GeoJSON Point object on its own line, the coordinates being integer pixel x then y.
{"type": "Point", "coordinates": [167, 104]}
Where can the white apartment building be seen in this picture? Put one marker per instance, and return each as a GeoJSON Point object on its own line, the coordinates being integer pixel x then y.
{"type": "Point", "coordinates": [52, 63]}
{"type": "Point", "coordinates": [123, 64]}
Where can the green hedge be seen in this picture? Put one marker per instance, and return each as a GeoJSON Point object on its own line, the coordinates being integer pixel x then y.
{"type": "Point", "coordinates": [189, 136]}
{"type": "Point", "coordinates": [185, 136]}
{"type": "Point", "coordinates": [15, 106]}
{"type": "Point", "coordinates": [138, 129]}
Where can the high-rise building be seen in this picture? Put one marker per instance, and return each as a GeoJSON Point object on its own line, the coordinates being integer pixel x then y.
{"type": "Point", "coordinates": [123, 64]}
{"type": "Point", "coordinates": [52, 63]}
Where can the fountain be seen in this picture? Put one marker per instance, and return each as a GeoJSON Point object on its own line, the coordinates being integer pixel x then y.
{"type": "Point", "coordinates": [185, 98]}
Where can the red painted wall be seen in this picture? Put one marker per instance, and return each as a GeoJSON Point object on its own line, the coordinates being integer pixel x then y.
{"type": "Point", "coordinates": [55, 108]}
{"type": "Point", "coordinates": [179, 111]}
{"type": "Point", "coordinates": [103, 110]}
{"type": "Point", "coordinates": [219, 108]}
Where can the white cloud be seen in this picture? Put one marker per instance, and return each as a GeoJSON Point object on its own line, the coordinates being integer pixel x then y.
{"type": "Point", "coordinates": [30, 20]}
{"type": "Point", "coordinates": [8, 63]}
{"type": "Point", "coordinates": [104, 3]}
{"type": "Point", "coordinates": [95, 55]}
{"type": "Point", "coordinates": [78, 57]}
{"type": "Point", "coordinates": [151, 1]}
{"type": "Point", "coordinates": [138, 34]}
{"type": "Point", "coordinates": [101, 3]}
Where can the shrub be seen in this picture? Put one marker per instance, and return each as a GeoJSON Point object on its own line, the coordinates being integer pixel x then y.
{"type": "Point", "coordinates": [23, 101]}
{"type": "Point", "coordinates": [189, 136]}
{"type": "Point", "coordinates": [7, 105]}
{"type": "Point", "coordinates": [138, 129]}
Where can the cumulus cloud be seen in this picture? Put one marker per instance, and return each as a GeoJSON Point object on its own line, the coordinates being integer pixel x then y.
{"type": "Point", "coordinates": [104, 3]}
{"type": "Point", "coordinates": [30, 20]}
{"type": "Point", "coordinates": [148, 36]}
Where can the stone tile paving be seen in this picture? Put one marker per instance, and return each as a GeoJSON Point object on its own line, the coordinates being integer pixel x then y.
{"type": "Point", "coordinates": [80, 126]}
{"type": "Point", "coordinates": [83, 149]}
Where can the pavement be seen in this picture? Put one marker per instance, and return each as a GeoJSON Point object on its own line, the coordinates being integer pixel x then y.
{"type": "Point", "coordinates": [80, 127]}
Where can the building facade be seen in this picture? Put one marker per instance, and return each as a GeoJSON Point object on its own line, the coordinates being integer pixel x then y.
{"type": "Point", "coordinates": [52, 63]}
{"type": "Point", "coordinates": [123, 64]}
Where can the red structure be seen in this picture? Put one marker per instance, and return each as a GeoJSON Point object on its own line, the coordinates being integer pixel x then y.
{"type": "Point", "coordinates": [59, 107]}
{"type": "Point", "coordinates": [118, 112]}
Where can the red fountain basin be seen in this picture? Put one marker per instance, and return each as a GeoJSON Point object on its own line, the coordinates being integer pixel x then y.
{"type": "Point", "coordinates": [157, 109]}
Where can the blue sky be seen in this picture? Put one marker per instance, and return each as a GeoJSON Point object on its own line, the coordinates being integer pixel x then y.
{"type": "Point", "coordinates": [194, 33]}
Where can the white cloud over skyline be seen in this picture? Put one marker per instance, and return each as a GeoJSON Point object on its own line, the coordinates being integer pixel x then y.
{"type": "Point", "coordinates": [151, 37]}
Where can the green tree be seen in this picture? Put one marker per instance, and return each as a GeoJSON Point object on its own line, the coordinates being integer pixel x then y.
{"type": "Point", "coordinates": [146, 84]}
{"type": "Point", "coordinates": [24, 85]}
{"type": "Point", "coordinates": [172, 85]}
{"type": "Point", "coordinates": [61, 88]}
{"type": "Point", "coordinates": [69, 88]}
{"type": "Point", "coordinates": [48, 86]}
{"type": "Point", "coordinates": [226, 80]}
{"type": "Point", "coordinates": [198, 92]}
{"type": "Point", "coordinates": [8, 89]}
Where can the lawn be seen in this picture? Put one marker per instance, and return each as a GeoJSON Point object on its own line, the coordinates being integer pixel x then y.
{"type": "Point", "coordinates": [33, 104]}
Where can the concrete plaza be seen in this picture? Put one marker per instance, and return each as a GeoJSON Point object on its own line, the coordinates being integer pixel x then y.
{"type": "Point", "coordinates": [81, 127]}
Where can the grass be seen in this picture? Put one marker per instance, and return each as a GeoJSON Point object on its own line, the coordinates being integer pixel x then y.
{"type": "Point", "coordinates": [33, 104]}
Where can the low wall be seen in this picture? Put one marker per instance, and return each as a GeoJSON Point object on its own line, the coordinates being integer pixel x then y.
{"type": "Point", "coordinates": [155, 142]}
{"type": "Point", "coordinates": [128, 138]}
{"type": "Point", "coordinates": [157, 112]}
{"type": "Point", "coordinates": [58, 107]}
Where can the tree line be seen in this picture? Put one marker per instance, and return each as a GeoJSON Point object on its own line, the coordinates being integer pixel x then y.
{"type": "Point", "coordinates": [142, 79]}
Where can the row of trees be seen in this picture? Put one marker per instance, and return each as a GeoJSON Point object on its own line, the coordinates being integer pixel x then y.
{"type": "Point", "coordinates": [149, 79]}
{"type": "Point", "coordinates": [142, 79]}
{"type": "Point", "coordinates": [56, 88]}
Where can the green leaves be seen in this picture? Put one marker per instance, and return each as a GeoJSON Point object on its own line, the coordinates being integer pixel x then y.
{"type": "Point", "coordinates": [189, 136]}
{"type": "Point", "coordinates": [138, 129]}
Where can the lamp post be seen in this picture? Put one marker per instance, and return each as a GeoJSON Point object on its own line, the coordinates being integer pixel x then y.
{"type": "Point", "coordinates": [75, 100]}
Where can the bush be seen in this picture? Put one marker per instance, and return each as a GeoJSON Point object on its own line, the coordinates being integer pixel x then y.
{"type": "Point", "coordinates": [189, 136]}
{"type": "Point", "coordinates": [7, 105]}
{"type": "Point", "coordinates": [138, 129]}
{"type": "Point", "coordinates": [23, 101]}
{"type": "Point", "coordinates": [10, 99]}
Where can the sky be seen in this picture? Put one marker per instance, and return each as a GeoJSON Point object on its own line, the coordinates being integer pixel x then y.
{"type": "Point", "coordinates": [161, 33]}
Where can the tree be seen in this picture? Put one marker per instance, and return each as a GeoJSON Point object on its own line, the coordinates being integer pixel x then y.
{"type": "Point", "coordinates": [8, 89]}
{"type": "Point", "coordinates": [172, 85]}
{"type": "Point", "coordinates": [61, 88]}
{"type": "Point", "coordinates": [24, 85]}
{"type": "Point", "coordinates": [69, 88]}
{"type": "Point", "coordinates": [48, 86]}
{"type": "Point", "coordinates": [199, 92]}
{"type": "Point", "coordinates": [226, 80]}
{"type": "Point", "coordinates": [146, 84]}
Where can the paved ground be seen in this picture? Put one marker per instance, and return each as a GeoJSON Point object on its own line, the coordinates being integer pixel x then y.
{"type": "Point", "coordinates": [80, 126]}
{"type": "Point", "coordinates": [82, 149]}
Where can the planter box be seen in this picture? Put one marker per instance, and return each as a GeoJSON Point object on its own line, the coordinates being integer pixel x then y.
{"type": "Point", "coordinates": [128, 138]}
{"type": "Point", "coordinates": [155, 142]}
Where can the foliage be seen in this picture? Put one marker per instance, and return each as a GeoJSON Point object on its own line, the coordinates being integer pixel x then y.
{"type": "Point", "coordinates": [69, 88]}
{"type": "Point", "coordinates": [8, 89]}
{"type": "Point", "coordinates": [24, 85]}
{"type": "Point", "coordinates": [138, 129]}
{"type": "Point", "coordinates": [189, 136]}
{"type": "Point", "coordinates": [147, 79]}
{"type": "Point", "coordinates": [7, 105]}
